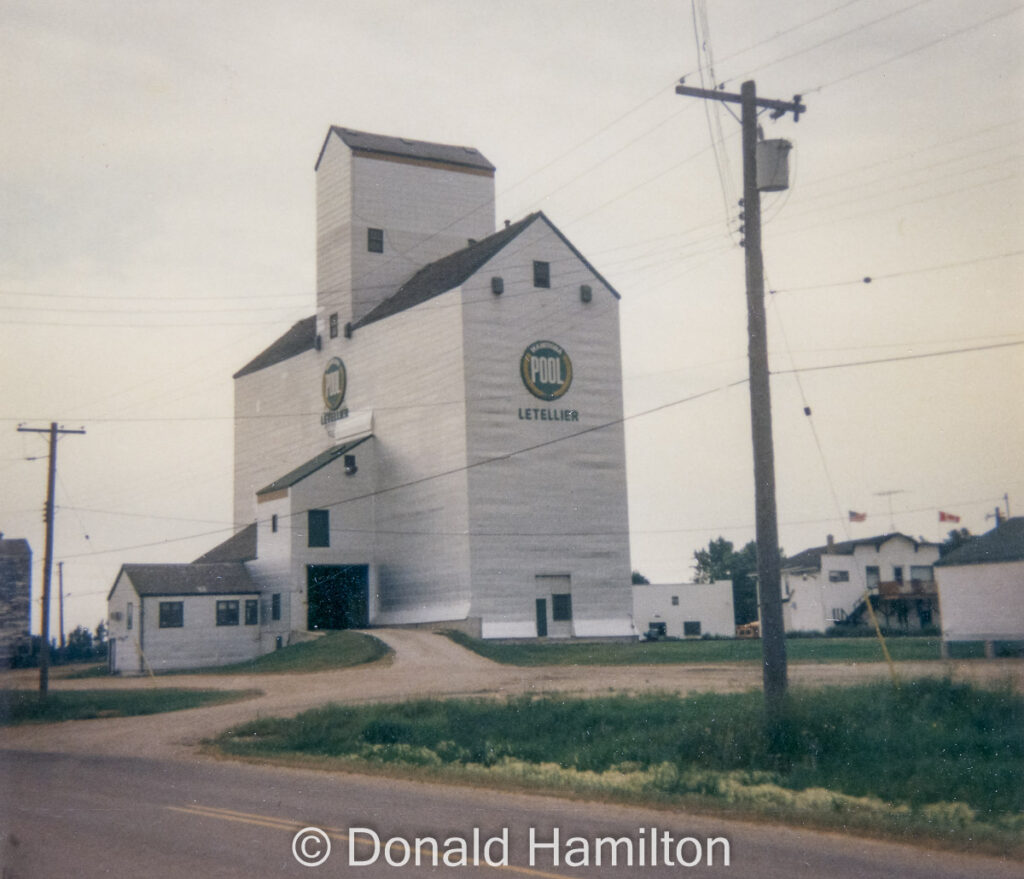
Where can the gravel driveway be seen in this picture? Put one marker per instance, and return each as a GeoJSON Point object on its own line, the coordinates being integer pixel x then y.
{"type": "Point", "coordinates": [423, 665]}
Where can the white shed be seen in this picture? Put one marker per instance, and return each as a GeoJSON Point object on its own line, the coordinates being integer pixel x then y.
{"type": "Point", "coordinates": [686, 610]}
{"type": "Point", "coordinates": [981, 589]}
{"type": "Point", "coordinates": [165, 617]}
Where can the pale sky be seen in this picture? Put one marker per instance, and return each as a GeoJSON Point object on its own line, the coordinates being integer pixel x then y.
{"type": "Point", "coordinates": [157, 231]}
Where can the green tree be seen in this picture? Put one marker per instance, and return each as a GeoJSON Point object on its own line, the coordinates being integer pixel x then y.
{"type": "Point", "coordinates": [639, 578]}
{"type": "Point", "coordinates": [721, 561]}
{"type": "Point", "coordinates": [956, 538]}
{"type": "Point", "coordinates": [79, 644]}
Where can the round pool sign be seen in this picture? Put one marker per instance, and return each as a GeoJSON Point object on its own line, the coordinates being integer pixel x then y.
{"type": "Point", "coordinates": [546, 370]}
{"type": "Point", "coordinates": [334, 382]}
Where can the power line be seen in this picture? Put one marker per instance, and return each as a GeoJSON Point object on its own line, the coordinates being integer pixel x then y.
{"type": "Point", "coordinates": [868, 279]}
{"type": "Point", "coordinates": [898, 359]}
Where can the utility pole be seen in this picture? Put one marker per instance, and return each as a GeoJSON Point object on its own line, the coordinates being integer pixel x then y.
{"type": "Point", "coordinates": [773, 635]}
{"type": "Point", "coordinates": [60, 604]}
{"type": "Point", "coordinates": [48, 516]}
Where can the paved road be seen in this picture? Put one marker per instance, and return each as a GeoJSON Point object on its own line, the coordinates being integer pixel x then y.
{"type": "Point", "coordinates": [102, 816]}
{"type": "Point", "coordinates": [132, 797]}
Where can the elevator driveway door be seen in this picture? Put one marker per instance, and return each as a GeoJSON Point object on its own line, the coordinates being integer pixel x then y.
{"type": "Point", "coordinates": [338, 596]}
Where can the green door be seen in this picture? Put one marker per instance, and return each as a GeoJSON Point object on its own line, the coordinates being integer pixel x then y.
{"type": "Point", "coordinates": [338, 596]}
{"type": "Point", "coordinates": [542, 617]}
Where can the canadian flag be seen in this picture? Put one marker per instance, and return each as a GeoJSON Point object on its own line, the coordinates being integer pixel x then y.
{"type": "Point", "coordinates": [948, 517]}
{"type": "Point", "coordinates": [858, 517]}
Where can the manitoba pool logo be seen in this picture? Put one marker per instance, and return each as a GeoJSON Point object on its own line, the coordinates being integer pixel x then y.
{"type": "Point", "coordinates": [546, 370]}
{"type": "Point", "coordinates": [334, 382]}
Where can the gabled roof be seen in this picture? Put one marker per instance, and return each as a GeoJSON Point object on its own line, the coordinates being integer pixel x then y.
{"type": "Point", "coordinates": [446, 273]}
{"type": "Point", "coordinates": [405, 148]}
{"type": "Point", "coordinates": [301, 337]}
{"type": "Point", "coordinates": [810, 559]}
{"type": "Point", "coordinates": [455, 269]}
{"type": "Point", "coordinates": [1002, 544]}
{"type": "Point", "coordinates": [219, 578]}
{"type": "Point", "coordinates": [240, 547]}
{"type": "Point", "coordinates": [311, 466]}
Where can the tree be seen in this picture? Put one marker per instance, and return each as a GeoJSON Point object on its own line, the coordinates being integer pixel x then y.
{"type": "Point", "coordinates": [79, 645]}
{"type": "Point", "coordinates": [720, 561]}
{"type": "Point", "coordinates": [639, 579]}
{"type": "Point", "coordinates": [956, 538]}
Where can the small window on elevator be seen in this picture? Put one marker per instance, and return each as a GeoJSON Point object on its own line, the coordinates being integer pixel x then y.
{"type": "Point", "coordinates": [319, 528]}
{"type": "Point", "coordinates": [375, 240]}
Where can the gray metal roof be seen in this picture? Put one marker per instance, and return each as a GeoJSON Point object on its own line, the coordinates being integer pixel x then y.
{"type": "Point", "coordinates": [219, 578]}
{"type": "Point", "coordinates": [455, 269]}
{"type": "Point", "coordinates": [239, 547]}
{"type": "Point", "coordinates": [301, 337]}
{"type": "Point", "coordinates": [404, 147]}
{"type": "Point", "coordinates": [1002, 544]}
{"type": "Point", "coordinates": [311, 466]}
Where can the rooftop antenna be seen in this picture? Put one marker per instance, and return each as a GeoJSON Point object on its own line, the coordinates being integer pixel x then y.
{"type": "Point", "coordinates": [889, 494]}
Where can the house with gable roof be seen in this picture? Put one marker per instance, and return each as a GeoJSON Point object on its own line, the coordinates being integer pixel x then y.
{"type": "Point", "coordinates": [442, 441]}
{"type": "Point", "coordinates": [825, 586]}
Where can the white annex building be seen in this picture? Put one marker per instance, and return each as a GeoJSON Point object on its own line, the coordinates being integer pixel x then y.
{"type": "Point", "coordinates": [684, 610]}
{"type": "Point", "coordinates": [442, 441]}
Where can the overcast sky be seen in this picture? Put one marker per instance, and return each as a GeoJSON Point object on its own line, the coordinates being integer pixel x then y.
{"type": "Point", "coordinates": [157, 231]}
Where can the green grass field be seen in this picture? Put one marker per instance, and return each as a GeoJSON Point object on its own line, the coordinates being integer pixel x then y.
{"type": "Point", "coordinates": [933, 758]}
{"type": "Point", "coordinates": [26, 706]}
{"type": "Point", "coordinates": [698, 651]}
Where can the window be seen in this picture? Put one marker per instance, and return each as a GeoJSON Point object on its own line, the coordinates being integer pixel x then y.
{"type": "Point", "coordinates": [333, 321]}
{"type": "Point", "coordinates": [129, 615]}
{"type": "Point", "coordinates": [897, 573]}
{"type": "Point", "coordinates": [319, 527]}
{"type": "Point", "coordinates": [675, 601]}
{"type": "Point", "coordinates": [561, 607]}
{"type": "Point", "coordinates": [838, 576]}
{"type": "Point", "coordinates": [541, 274]}
{"type": "Point", "coordinates": [691, 628]}
{"type": "Point", "coordinates": [227, 613]}
{"type": "Point", "coordinates": [375, 240]}
{"type": "Point", "coordinates": [275, 606]}
{"type": "Point", "coordinates": [838, 615]}
{"type": "Point", "coordinates": [252, 612]}
{"type": "Point", "coordinates": [172, 614]}
{"type": "Point", "coordinates": [921, 572]}
{"type": "Point", "coordinates": [273, 523]}
{"type": "Point", "coordinates": [873, 575]}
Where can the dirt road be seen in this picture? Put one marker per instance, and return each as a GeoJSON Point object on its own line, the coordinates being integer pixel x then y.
{"type": "Point", "coordinates": [423, 665]}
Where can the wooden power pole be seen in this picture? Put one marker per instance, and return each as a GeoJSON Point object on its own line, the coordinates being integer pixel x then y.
{"type": "Point", "coordinates": [48, 516]}
{"type": "Point", "coordinates": [773, 636]}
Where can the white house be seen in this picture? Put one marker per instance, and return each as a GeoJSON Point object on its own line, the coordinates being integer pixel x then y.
{"type": "Point", "coordinates": [826, 585]}
{"type": "Point", "coordinates": [981, 589]}
{"type": "Point", "coordinates": [684, 610]}
{"type": "Point", "coordinates": [442, 440]}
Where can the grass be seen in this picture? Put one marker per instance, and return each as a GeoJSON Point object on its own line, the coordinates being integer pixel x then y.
{"type": "Point", "coordinates": [821, 650]}
{"type": "Point", "coordinates": [26, 706]}
{"type": "Point", "coordinates": [331, 651]}
{"type": "Point", "coordinates": [334, 650]}
{"type": "Point", "coordinates": [934, 758]}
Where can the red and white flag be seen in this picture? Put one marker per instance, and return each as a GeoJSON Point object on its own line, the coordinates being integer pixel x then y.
{"type": "Point", "coordinates": [948, 517]}
{"type": "Point", "coordinates": [858, 517]}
